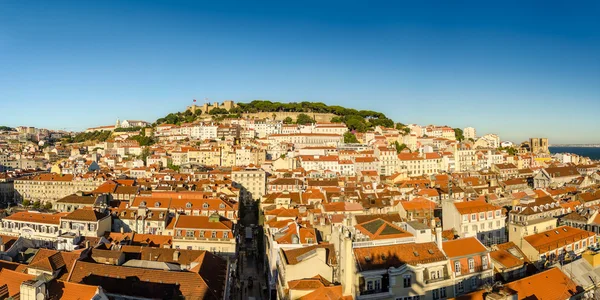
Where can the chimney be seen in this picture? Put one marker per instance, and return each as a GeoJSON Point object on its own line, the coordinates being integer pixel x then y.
{"type": "Point", "coordinates": [122, 230]}
{"type": "Point", "coordinates": [87, 244]}
{"type": "Point", "coordinates": [2, 248]}
{"type": "Point", "coordinates": [438, 237]}
{"type": "Point", "coordinates": [176, 255]}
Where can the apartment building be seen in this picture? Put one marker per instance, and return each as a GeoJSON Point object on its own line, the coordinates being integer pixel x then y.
{"type": "Point", "coordinates": [464, 158]}
{"type": "Point", "coordinates": [469, 133]}
{"type": "Point", "coordinates": [388, 160]}
{"type": "Point", "coordinates": [556, 245]}
{"type": "Point", "coordinates": [470, 263]}
{"type": "Point", "coordinates": [252, 182]}
{"type": "Point", "coordinates": [477, 219]}
{"type": "Point", "coordinates": [313, 266]}
{"type": "Point", "coordinates": [213, 233]}
{"type": "Point", "coordinates": [51, 187]}
{"type": "Point", "coordinates": [307, 139]}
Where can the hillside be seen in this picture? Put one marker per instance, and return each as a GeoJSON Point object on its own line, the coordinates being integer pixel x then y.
{"type": "Point", "coordinates": [300, 113]}
{"type": "Point", "coordinates": [6, 128]}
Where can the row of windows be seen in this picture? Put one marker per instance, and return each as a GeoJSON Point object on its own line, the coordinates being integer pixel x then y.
{"type": "Point", "coordinates": [191, 233]}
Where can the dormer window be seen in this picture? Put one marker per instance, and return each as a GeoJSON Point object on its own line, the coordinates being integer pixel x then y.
{"type": "Point", "coordinates": [205, 205]}
{"type": "Point", "coordinates": [157, 204]}
{"type": "Point", "coordinates": [222, 206]}
{"type": "Point", "coordinates": [188, 205]}
{"type": "Point", "coordinates": [143, 203]}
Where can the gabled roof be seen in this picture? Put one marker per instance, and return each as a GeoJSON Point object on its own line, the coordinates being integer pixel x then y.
{"type": "Point", "coordinates": [13, 280]}
{"type": "Point", "coordinates": [463, 247]}
{"type": "Point", "coordinates": [379, 229]}
{"type": "Point", "coordinates": [468, 207]}
{"type": "Point", "coordinates": [85, 214]}
{"type": "Point", "coordinates": [384, 257]}
{"type": "Point", "coordinates": [47, 260]}
{"type": "Point", "coordinates": [552, 284]}
{"type": "Point", "coordinates": [294, 256]}
{"type": "Point", "coordinates": [555, 238]}
{"type": "Point", "coordinates": [205, 282]}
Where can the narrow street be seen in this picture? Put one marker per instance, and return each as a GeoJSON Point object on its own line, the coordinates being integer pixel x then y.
{"type": "Point", "coordinates": [250, 260]}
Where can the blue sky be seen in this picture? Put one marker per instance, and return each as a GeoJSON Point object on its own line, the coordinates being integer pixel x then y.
{"type": "Point", "coordinates": [512, 68]}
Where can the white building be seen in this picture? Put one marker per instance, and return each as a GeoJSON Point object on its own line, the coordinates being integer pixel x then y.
{"type": "Point", "coordinates": [469, 133]}
{"type": "Point", "coordinates": [475, 219]}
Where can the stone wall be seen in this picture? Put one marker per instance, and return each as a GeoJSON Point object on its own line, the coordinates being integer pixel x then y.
{"type": "Point", "coordinates": [319, 117]}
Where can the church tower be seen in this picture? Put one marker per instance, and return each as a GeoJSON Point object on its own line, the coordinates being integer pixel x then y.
{"type": "Point", "coordinates": [118, 124]}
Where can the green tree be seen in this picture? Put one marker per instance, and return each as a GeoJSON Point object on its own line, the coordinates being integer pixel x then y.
{"type": "Point", "coordinates": [48, 205]}
{"type": "Point", "coordinates": [142, 140]}
{"type": "Point", "coordinates": [173, 167]}
{"type": "Point", "coordinates": [288, 120]}
{"type": "Point", "coordinates": [459, 134]}
{"type": "Point", "coordinates": [399, 147]}
{"type": "Point", "coordinates": [218, 111]}
{"type": "Point", "coordinates": [336, 120]}
{"type": "Point", "coordinates": [26, 203]}
{"type": "Point", "coordinates": [509, 150]}
{"type": "Point", "coordinates": [37, 204]}
{"type": "Point", "coordinates": [350, 138]}
{"type": "Point", "coordinates": [304, 119]}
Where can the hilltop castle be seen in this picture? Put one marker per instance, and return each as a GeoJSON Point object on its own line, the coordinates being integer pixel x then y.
{"type": "Point", "coordinates": [206, 107]}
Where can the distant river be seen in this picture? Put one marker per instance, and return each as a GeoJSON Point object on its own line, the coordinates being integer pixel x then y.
{"type": "Point", "coordinates": [593, 153]}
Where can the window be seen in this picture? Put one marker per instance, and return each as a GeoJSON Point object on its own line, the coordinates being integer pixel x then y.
{"type": "Point", "coordinates": [189, 233]}
{"type": "Point", "coordinates": [481, 216]}
{"type": "Point", "coordinates": [370, 285]}
{"type": "Point", "coordinates": [473, 217]}
{"type": "Point", "coordinates": [460, 286]}
{"type": "Point", "coordinates": [188, 205]}
{"type": "Point", "coordinates": [475, 228]}
{"type": "Point", "coordinates": [465, 218]}
{"type": "Point", "coordinates": [466, 229]}
{"type": "Point", "coordinates": [205, 205]}
{"type": "Point", "coordinates": [406, 281]}
{"type": "Point", "coordinates": [443, 292]}
{"type": "Point", "coordinates": [489, 214]}
{"type": "Point", "coordinates": [497, 213]}
{"type": "Point", "coordinates": [471, 264]}
{"type": "Point", "coordinates": [225, 235]}
{"type": "Point", "coordinates": [484, 261]}
{"type": "Point", "coordinates": [583, 243]}
{"type": "Point", "coordinates": [576, 246]}
{"type": "Point", "coordinates": [473, 282]}
{"type": "Point", "coordinates": [457, 267]}
{"type": "Point", "coordinates": [436, 294]}
{"type": "Point", "coordinates": [201, 233]}
{"type": "Point", "coordinates": [214, 234]}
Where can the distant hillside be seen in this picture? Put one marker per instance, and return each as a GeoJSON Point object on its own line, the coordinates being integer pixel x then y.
{"type": "Point", "coordinates": [6, 128]}
{"type": "Point", "coordinates": [301, 113]}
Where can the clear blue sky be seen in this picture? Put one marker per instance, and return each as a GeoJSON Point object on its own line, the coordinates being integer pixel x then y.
{"type": "Point", "coordinates": [516, 68]}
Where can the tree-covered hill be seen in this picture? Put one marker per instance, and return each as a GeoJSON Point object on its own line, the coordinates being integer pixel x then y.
{"type": "Point", "coordinates": [359, 120]}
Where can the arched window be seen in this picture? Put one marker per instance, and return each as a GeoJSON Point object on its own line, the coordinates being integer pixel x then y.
{"type": "Point", "coordinates": [188, 205]}
{"type": "Point", "coordinates": [205, 205]}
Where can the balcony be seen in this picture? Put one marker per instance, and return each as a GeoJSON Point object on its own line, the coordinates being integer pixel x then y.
{"type": "Point", "coordinates": [434, 280]}
{"type": "Point", "coordinates": [476, 269]}
{"type": "Point", "coordinates": [374, 294]}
